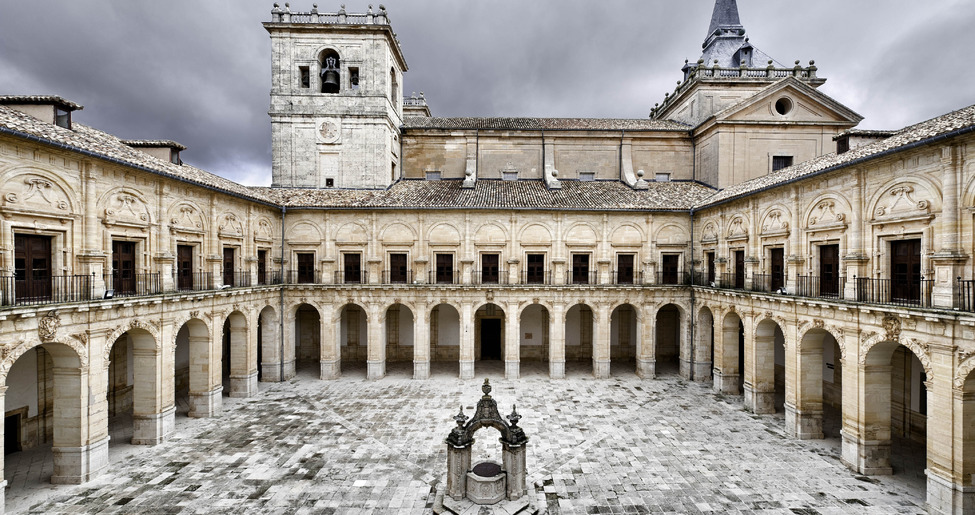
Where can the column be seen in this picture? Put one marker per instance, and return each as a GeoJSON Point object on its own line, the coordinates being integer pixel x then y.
{"type": "Point", "coordinates": [330, 358]}
{"type": "Point", "coordinates": [421, 342]}
{"type": "Point", "coordinates": [556, 343]}
{"type": "Point", "coordinates": [288, 347]}
{"type": "Point", "coordinates": [869, 443]}
{"type": "Point", "coordinates": [646, 361]}
{"type": "Point", "coordinates": [467, 342]}
{"type": "Point", "coordinates": [796, 258]}
{"type": "Point", "coordinates": [760, 371]}
{"type": "Point", "coordinates": [270, 350]}
{"type": "Point", "coordinates": [512, 342]}
{"type": "Point", "coordinates": [856, 258]}
{"type": "Point", "coordinates": [852, 426]}
{"type": "Point", "coordinates": [77, 458]}
{"type": "Point", "coordinates": [600, 342]}
{"type": "Point", "coordinates": [243, 378]}
{"type": "Point", "coordinates": [946, 489]}
{"type": "Point", "coordinates": [948, 260]}
{"type": "Point", "coordinates": [804, 388]}
{"type": "Point", "coordinates": [702, 366]}
{"type": "Point", "coordinates": [685, 347]}
{"type": "Point", "coordinates": [376, 363]}
{"type": "Point", "coordinates": [206, 391]}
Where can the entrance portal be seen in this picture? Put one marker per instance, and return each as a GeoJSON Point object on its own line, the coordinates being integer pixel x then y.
{"type": "Point", "coordinates": [490, 339]}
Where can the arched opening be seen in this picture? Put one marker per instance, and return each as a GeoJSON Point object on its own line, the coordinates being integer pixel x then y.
{"type": "Point", "coordinates": [236, 370]}
{"type": "Point", "coordinates": [894, 382]}
{"type": "Point", "coordinates": [623, 336]}
{"type": "Point", "coordinates": [667, 340]}
{"type": "Point", "coordinates": [308, 340]}
{"type": "Point", "coordinates": [399, 340]}
{"type": "Point", "coordinates": [444, 340]}
{"type": "Point", "coordinates": [393, 88]}
{"type": "Point", "coordinates": [330, 74]}
{"type": "Point", "coordinates": [819, 390]}
{"type": "Point", "coordinates": [489, 344]}
{"type": "Point", "coordinates": [268, 346]}
{"type": "Point", "coordinates": [131, 390]}
{"type": "Point", "coordinates": [487, 445]}
{"type": "Point", "coordinates": [354, 339]}
{"type": "Point", "coordinates": [534, 340]}
{"type": "Point", "coordinates": [194, 395]}
{"type": "Point", "coordinates": [45, 426]}
{"type": "Point", "coordinates": [766, 392]}
{"type": "Point", "coordinates": [704, 347]}
{"type": "Point", "coordinates": [965, 403]}
{"type": "Point", "coordinates": [578, 340]}
{"type": "Point", "coordinates": [729, 363]}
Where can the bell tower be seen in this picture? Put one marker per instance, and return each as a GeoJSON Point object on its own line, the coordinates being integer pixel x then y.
{"type": "Point", "coordinates": [336, 103]}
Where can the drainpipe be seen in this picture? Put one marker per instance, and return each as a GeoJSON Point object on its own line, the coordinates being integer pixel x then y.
{"type": "Point", "coordinates": [693, 296]}
{"type": "Point", "coordinates": [284, 210]}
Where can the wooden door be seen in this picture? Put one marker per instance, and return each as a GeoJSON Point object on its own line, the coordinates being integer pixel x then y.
{"type": "Point", "coordinates": [228, 266]}
{"type": "Point", "coordinates": [306, 266]}
{"type": "Point", "coordinates": [445, 269]}
{"type": "Point", "coordinates": [829, 270]}
{"type": "Point", "coordinates": [905, 266]}
{"type": "Point", "coordinates": [184, 267]}
{"type": "Point", "coordinates": [777, 279]}
{"type": "Point", "coordinates": [535, 269]}
{"type": "Point", "coordinates": [353, 268]}
{"type": "Point", "coordinates": [711, 276]}
{"type": "Point", "coordinates": [624, 269]}
{"type": "Point", "coordinates": [580, 269]}
{"type": "Point", "coordinates": [398, 268]}
{"type": "Point", "coordinates": [123, 267]}
{"type": "Point", "coordinates": [261, 269]}
{"type": "Point", "coordinates": [739, 269]}
{"type": "Point", "coordinates": [670, 269]}
{"type": "Point", "coordinates": [490, 268]}
{"type": "Point", "coordinates": [33, 266]}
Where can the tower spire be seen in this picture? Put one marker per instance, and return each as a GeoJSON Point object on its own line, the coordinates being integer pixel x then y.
{"type": "Point", "coordinates": [725, 19]}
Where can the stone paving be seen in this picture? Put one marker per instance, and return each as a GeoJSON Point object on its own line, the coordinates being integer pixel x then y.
{"type": "Point", "coordinates": [621, 445]}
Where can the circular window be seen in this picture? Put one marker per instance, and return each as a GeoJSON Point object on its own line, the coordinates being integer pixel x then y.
{"type": "Point", "coordinates": [783, 106]}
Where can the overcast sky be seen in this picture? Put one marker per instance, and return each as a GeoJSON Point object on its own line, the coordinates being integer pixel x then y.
{"type": "Point", "coordinates": [198, 72]}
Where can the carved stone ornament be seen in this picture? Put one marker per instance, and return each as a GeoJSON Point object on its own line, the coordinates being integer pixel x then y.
{"type": "Point", "coordinates": [40, 192]}
{"type": "Point", "coordinates": [330, 131]}
{"type": "Point", "coordinates": [231, 225]}
{"type": "Point", "coordinates": [825, 215]}
{"type": "Point", "coordinates": [892, 328]}
{"type": "Point", "coordinates": [187, 217]}
{"type": "Point", "coordinates": [710, 232]}
{"type": "Point", "coordinates": [737, 229]}
{"type": "Point", "coordinates": [775, 223]}
{"type": "Point", "coordinates": [48, 326]}
{"type": "Point", "coordinates": [900, 202]}
{"type": "Point", "coordinates": [125, 207]}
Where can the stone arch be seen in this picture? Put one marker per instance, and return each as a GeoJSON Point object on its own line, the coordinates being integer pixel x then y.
{"type": "Point", "coordinates": [762, 373]}
{"type": "Point", "coordinates": [187, 215]}
{"type": "Point", "coordinates": [304, 231]}
{"type": "Point", "coordinates": [237, 359]}
{"type": "Point", "coordinates": [444, 233]}
{"type": "Point", "coordinates": [124, 328]}
{"type": "Point", "coordinates": [963, 372]}
{"type": "Point", "coordinates": [737, 227]}
{"type": "Point", "coordinates": [146, 382]}
{"type": "Point", "coordinates": [534, 318]}
{"type": "Point", "coordinates": [901, 197]}
{"type": "Point", "coordinates": [627, 234]}
{"type": "Point", "coordinates": [268, 344]}
{"type": "Point", "coordinates": [625, 334]}
{"type": "Point", "coordinates": [399, 319]}
{"type": "Point", "coordinates": [579, 325]}
{"type": "Point", "coordinates": [729, 353]}
{"type": "Point", "coordinates": [776, 218]}
{"type": "Point", "coordinates": [308, 326]}
{"type": "Point", "coordinates": [535, 234]}
{"type": "Point", "coordinates": [351, 232]}
{"type": "Point", "coordinates": [670, 347]}
{"type": "Point", "coordinates": [490, 233]}
{"type": "Point", "coordinates": [72, 354]}
{"type": "Point", "coordinates": [47, 190]}
{"type": "Point", "coordinates": [805, 419]}
{"type": "Point", "coordinates": [353, 338]}
{"type": "Point", "coordinates": [581, 233]}
{"type": "Point", "coordinates": [671, 234]}
{"type": "Point", "coordinates": [915, 346]}
{"type": "Point", "coordinates": [828, 209]}
{"type": "Point", "coordinates": [185, 319]}
{"type": "Point", "coordinates": [397, 233]}
{"type": "Point", "coordinates": [704, 346]}
{"type": "Point", "coordinates": [836, 332]}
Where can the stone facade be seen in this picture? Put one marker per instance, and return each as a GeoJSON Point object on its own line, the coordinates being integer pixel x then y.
{"type": "Point", "coordinates": [839, 283]}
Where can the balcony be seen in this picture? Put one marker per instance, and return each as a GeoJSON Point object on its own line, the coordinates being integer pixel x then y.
{"type": "Point", "coordinates": [492, 277]}
{"type": "Point", "coordinates": [194, 281]}
{"type": "Point", "coordinates": [54, 289]}
{"type": "Point", "coordinates": [133, 285]}
{"type": "Point", "coordinates": [342, 277]}
{"type": "Point", "coordinates": [443, 277]}
{"type": "Point", "coordinates": [816, 287]}
{"type": "Point", "coordinates": [535, 278]}
{"type": "Point", "coordinates": [628, 278]}
{"type": "Point", "coordinates": [236, 279]}
{"type": "Point", "coordinates": [582, 276]}
{"type": "Point", "coordinates": [673, 279]}
{"type": "Point", "coordinates": [397, 277]}
{"type": "Point", "coordinates": [894, 293]}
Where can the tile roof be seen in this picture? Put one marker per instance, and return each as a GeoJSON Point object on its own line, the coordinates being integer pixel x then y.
{"type": "Point", "coordinates": [866, 133]}
{"type": "Point", "coordinates": [153, 143]}
{"type": "Point", "coordinates": [498, 194]}
{"type": "Point", "coordinates": [533, 124]}
{"type": "Point", "coordinates": [941, 126]}
{"type": "Point", "coordinates": [40, 99]}
{"type": "Point", "coordinates": [104, 145]}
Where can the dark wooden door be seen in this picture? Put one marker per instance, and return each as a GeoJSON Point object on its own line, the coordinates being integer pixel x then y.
{"type": "Point", "coordinates": [905, 266]}
{"type": "Point", "coordinates": [829, 270]}
{"type": "Point", "coordinates": [306, 266]}
{"type": "Point", "coordinates": [580, 269]}
{"type": "Point", "coordinates": [490, 268]}
{"type": "Point", "coordinates": [535, 269]}
{"type": "Point", "coordinates": [777, 279]}
{"type": "Point", "coordinates": [228, 266]}
{"type": "Point", "coordinates": [353, 268]}
{"type": "Point", "coordinates": [739, 269]}
{"type": "Point", "coordinates": [490, 339]}
{"type": "Point", "coordinates": [184, 267]}
{"type": "Point", "coordinates": [710, 258]}
{"type": "Point", "coordinates": [398, 269]}
{"type": "Point", "coordinates": [11, 434]}
{"type": "Point", "coordinates": [669, 267]}
{"type": "Point", "coordinates": [123, 267]}
{"type": "Point", "coordinates": [624, 269]}
{"type": "Point", "coordinates": [261, 268]}
{"type": "Point", "coordinates": [33, 266]}
{"type": "Point", "coordinates": [445, 269]}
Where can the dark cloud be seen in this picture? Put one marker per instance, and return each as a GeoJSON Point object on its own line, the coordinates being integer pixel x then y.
{"type": "Point", "coordinates": [199, 71]}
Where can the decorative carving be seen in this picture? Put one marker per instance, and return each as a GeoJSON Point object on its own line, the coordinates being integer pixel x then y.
{"type": "Point", "coordinates": [330, 131]}
{"type": "Point", "coordinates": [737, 229]}
{"type": "Point", "coordinates": [710, 232]}
{"type": "Point", "coordinates": [903, 203]}
{"type": "Point", "coordinates": [187, 217]}
{"type": "Point", "coordinates": [40, 192]}
{"type": "Point", "coordinates": [126, 207]}
{"type": "Point", "coordinates": [892, 328]}
{"type": "Point", "coordinates": [48, 326]}
{"type": "Point", "coordinates": [264, 230]}
{"type": "Point", "coordinates": [825, 214]}
{"type": "Point", "coordinates": [775, 223]}
{"type": "Point", "coordinates": [231, 225]}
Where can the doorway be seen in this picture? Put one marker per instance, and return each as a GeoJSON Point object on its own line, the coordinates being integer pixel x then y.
{"type": "Point", "coordinates": [905, 267]}
{"type": "Point", "coordinates": [490, 339]}
{"type": "Point", "coordinates": [123, 267]}
{"type": "Point", "coordinates": [33, 266]}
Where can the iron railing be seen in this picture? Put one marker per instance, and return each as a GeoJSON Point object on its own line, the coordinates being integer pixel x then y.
{"type": "Point", "coordinates": [535, 277]}
{"type": "Point", "coordinates": [673, 279]}
{"type": "Point", "coordinates": [817, 287]}
{"type": "Point", "coordinates": [391, 277]}
{"type": "Point", "coordinates": [139, 285]}
{"type": "Point", "coordinates": [237, 279]}
{"type": "Point", "coordinates": [350, 277]}
{"type": "Point", "coordinates": [731, 281]}
{"type": "Point", "coordinates": [449, 277]}
{"type": "Point", "coordinates": [195, 281]}
{"type": "Point", "coordinates": [578, 277]}
{"type": "Point", "coordinates": [966, 295]}
{"type": "Point", "coordinates": [628, 278]}
{"type": "Point", "coordinates": [46, 290]}
{"type": "Point", "coordinates": [887, 291]}
{"type": "Point", "coordinates": [478, 277]}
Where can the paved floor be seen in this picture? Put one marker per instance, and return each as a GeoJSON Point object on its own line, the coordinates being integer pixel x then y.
{"type": "Point", "coordinates": [352, 446]}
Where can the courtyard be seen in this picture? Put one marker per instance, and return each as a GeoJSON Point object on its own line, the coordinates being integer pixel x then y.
{"type": "Point", "coordinates": [622, 445]}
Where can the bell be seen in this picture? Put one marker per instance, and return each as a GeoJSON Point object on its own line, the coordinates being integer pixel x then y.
{"type": "Point", "coordinates": [330, 81]}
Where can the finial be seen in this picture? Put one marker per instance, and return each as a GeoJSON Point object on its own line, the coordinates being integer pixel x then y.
{"type": "Point", "coordinates": [812, 63]}
{"type": "Point", "coordinates": [797, 62]}
{"type": "Point", "coordinates": [276, 5]}
{"type": "Point", "coordinates": [640, 173]}
{"type": "Point", "coordinates": [486, 388]}
{"type": "Point", "coordinates": [514, 417]}
{"type": "Point", "coordinates": [686, 61]}
{"type": "Point", "coordinates": [460, 417]}
{"type": "Point", "coordinates": [555, 173]}
{"type": "Point", "coordinates": [382, 8]}
{"type": "Point", "coordinates": [370, 8]}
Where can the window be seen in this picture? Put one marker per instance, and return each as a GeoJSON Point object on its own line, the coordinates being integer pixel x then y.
{"type": "Point", "coordinates": [535, 269]}
{"type": "Point", "coordinates": [662, 177]}
{"type": "Point", "coordinates": [329, 182]}
{"type": "Point", "coordinates": [331, 65]}
{"type": "Point", "coordinates": [393, 88]}
{"type": "Point", "coordinates": [33, 266]}
{"type": "Point", "coordinates": [62, 118]}
{"type": "Point", "coordinates": [306, 267]}
{"type": "Point", "coordinates": [261, 267]}
{"type": "Point", "coordinates": [509, 176]}
{"type": "Point", "coordinates": [433, 176]}
{"type": "Point", "coordinates": [304, 77]}
{"type": "Point", "coordinates": [445, 269]}
{"type": "Point", "coordinates": [780, 162]}
{"type": "Point", "coordinates": [670, 268]}
{"type": "Point", "coordinates": [580, 269]}
{"type": "Point", "coordinates": [587, 176]}
{"type": "Point", "coordinates": [352, 268]}
{"type": "Point", "coordinates": [783, 106]}
{"type": "Point", "coordinates": [123, 267]}
{"type": "Point", "coordinates": [184, 267]}
{"type": "Point", "coordinates": [710, 260]}
{"type": "Point", "coordinates": [398, 269]}
{"type": "Point", "coordinates": [624, 268]}
{"type": "Point", "coordinates": [490, 268]}
{"type": "Point", "coordinates": [353, 78]}
{"type": "Point", "coordinates": [174, 157]}
{"type": "Point", "coordinates": [228, 266]}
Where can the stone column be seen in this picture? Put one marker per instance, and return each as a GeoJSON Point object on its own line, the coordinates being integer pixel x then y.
{"type": "Point", "coordinates": [512, 343]}
{"type": "Point", "coordinates": [600, 342]}
{"type": "Point", "coordinates": [684, 347]}
{"type": "Point", "coordinates": [869, 443]}
{"type": "Point", "coordinates": [271, 350]}
{"type": "Point", "coordinates": [963, 442]}
{"type": "Point", "coordinates": [206, 391]}
{"type": "Point", "coordinates": [77, 458]}
{"type": "Point", "coordinates": [760, 372]}
{"type": "Point", "coordinates": [290, 347]}
{"type": "Point", "coordinates": [948, 261]}
{"type": "Point", "coordinates": [153, 421]}
{"type": "Point", "coordinates": [702, 351]}
{"type": "Point", "coordinates": [243, 379]}
{"type": "Point", "coordinates": [850, 381]}
{"type": "Point", "coordinates": [421, 343]}
{"type": "Point", "coordinates": [804, 389]}
{"type": "Point", "coordinates": [946, 490]}
{"type": "Point", "coordinates": [467, 342]}
{"type": "Point", "coordinates": [458, 464]}
{"type": "Point", "coordinates": [646, 361]}
{"type": "Point", "coordinates": [376, 364]}
{"type": "Point", "coordinates": [556, 343]}
{"type": "Point", "coordinates": [330, 358]}
{"type": "Point", "coordinates": [513, 459]}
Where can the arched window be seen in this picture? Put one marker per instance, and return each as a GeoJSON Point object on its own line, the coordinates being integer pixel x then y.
{"type": "Point", "coordinates": [393, 87]}
{"type": "Point", "coordinates": [331, 64]}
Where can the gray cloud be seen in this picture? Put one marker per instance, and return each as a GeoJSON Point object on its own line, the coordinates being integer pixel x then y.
{"type": "Point", "coordinates": [199, 71]}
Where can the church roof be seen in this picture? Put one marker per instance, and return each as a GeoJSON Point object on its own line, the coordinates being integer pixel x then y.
{"type": "Point", "coordinates": [498, 194]}
{"type": "Point", "coordinates": [725, 17]}
{"type": "Point", "coordinates": [952, 124]}
{"type": "Point", "coordinates": [554, 124]}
